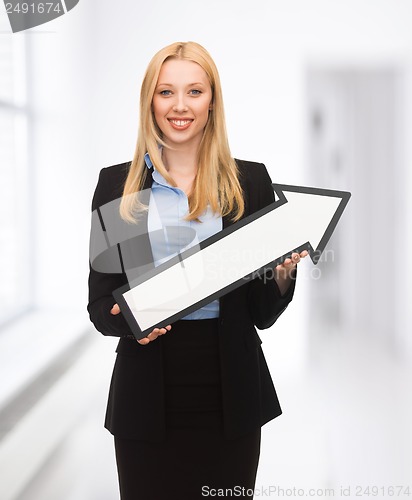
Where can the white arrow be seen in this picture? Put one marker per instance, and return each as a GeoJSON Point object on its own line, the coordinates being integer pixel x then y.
{"type": "Point", "coordinates": [301, 218]}
{"type": "Point", "coordinates": [311, 214]}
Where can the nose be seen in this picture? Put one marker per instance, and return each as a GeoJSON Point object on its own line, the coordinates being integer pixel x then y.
{"type": "Point", "coordinates": [180, 104]}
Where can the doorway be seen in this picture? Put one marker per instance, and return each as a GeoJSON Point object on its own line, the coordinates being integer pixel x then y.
{"type": "Point", "coordinates": [354, 118]}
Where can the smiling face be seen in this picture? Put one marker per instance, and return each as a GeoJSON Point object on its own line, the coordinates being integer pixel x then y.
{"type": "Point", "coordinates": [181, 102]}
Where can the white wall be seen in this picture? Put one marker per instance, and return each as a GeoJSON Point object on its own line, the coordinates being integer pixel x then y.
{"type": "Point", "coordinates": [61, 86]}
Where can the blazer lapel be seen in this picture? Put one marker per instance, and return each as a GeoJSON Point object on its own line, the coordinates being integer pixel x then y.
{"type": "Point", "coordinates": [137, 252]}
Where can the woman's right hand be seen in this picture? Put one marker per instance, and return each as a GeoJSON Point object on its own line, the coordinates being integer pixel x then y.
{"type": "Point", "coordinates": [152, 335]}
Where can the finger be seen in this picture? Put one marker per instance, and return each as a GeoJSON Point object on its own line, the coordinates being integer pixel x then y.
{"type": "Point", "coordinates": [156, 332]}
{"type": "Point", "coordinates": [115, 309]}
{"type": "Point", "coordinates": [295, 258]}
{"type": "Point", "coordinates": [304, 254]}
{"type": "Point", "coordinates": [153, 334]}
{"type": "Point", "coordinates": [285, 265]}
{"type": "Point", "coordinates": [161, 331]}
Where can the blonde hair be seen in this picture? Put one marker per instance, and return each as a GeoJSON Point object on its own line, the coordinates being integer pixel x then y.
{"type": "Point", "coordinates": [217, 180]}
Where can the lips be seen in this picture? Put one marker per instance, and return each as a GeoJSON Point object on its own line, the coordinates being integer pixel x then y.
{"type": "Point", "coordinates": [180, 124]}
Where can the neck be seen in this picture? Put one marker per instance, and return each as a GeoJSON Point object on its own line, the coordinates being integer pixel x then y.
{"type": "Point", "coordinates": [182, 166]}
{"type": "Point", "coordinates": [181, 162]}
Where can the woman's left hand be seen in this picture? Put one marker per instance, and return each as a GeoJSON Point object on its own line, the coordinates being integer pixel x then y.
{"type": "Point", "coordinates": [283, 271]}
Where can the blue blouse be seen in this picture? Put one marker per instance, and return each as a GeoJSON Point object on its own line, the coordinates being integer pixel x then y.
{"type": "Point", "coordinates": [170, 234]}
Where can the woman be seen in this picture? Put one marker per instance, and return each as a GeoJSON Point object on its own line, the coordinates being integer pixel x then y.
{"type": "Point", "coordinates": [187, 403]}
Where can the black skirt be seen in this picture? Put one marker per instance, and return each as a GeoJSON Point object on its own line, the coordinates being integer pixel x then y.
{"type": "Point", "coordinates": [195, 460]}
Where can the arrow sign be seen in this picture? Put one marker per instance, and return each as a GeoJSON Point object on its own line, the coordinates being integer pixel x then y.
{"type": "Point", "coordinates": [302, 218]}
{"type": "Point", "coordinates": [307, 216]}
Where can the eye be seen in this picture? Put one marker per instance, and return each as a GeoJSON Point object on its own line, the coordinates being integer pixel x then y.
{"type": "Point", "coordinates": [195, 92]}
{"type": "Point", "coordinates": [165, 92]}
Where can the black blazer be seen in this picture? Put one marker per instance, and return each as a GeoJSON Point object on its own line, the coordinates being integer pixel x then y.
{"type": "Point", "coordinates": [136, 399]}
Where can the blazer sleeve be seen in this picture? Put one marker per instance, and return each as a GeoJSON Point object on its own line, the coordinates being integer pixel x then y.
{"type": "Point", "coordinates": [266, 303]}
{"type": "Point", "coordinates": [101, 285]}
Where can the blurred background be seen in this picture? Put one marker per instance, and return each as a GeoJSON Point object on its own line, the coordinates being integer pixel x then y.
{"type": "Point", "coordinates": [319, 91]}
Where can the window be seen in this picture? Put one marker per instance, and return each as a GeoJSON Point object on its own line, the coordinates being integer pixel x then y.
{"type": "Point", "coordinates": [16, 239]}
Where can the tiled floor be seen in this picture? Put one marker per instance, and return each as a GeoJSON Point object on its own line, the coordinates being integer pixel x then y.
{"type": "Point", "coordinates": [82, 467]}
{"type": "Point", "coordinates": [345, 426]}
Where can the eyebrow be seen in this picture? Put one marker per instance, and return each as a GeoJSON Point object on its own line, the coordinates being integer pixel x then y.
{"type": "Point", "coordinates": [171, 85]}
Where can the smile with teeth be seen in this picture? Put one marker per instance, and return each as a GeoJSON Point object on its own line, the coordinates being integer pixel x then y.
{"type": "Point", "coordinates": [180, 124]}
